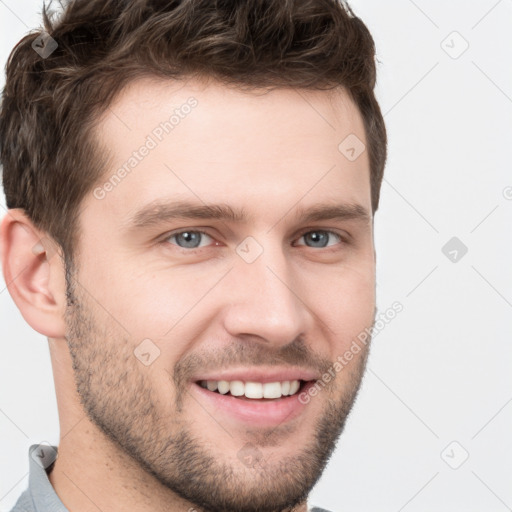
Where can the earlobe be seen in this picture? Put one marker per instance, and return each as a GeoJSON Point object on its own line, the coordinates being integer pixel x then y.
{"type": "Point", "coordinates": [34, 273]}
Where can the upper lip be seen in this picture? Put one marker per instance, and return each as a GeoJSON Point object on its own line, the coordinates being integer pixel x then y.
{"type": "Point", "coordinates": [259, 374]}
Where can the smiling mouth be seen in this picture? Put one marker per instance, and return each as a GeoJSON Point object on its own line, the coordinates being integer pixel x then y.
{"type": "Point", "coordinates": [254, 390]}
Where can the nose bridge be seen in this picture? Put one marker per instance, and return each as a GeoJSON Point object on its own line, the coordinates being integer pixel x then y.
{"type": "Point", "coordinates": [265, 301]}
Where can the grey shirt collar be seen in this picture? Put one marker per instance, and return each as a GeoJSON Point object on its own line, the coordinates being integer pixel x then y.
{"type": "Point", "coordinates": [44, 497]}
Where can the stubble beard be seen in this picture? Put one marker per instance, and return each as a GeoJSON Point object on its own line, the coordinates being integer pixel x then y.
{"type": "Point", "coordinates": [117, 396]}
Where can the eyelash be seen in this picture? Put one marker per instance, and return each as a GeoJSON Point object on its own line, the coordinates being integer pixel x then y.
{"type": "Point", "coordinates": [197, 249]}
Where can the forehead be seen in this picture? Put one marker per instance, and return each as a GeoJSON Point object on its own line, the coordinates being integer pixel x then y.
{"type": "Point", "coordinates": [213, 143]}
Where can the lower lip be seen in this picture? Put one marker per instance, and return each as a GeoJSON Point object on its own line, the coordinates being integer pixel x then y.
{"type": "Point", "coordinates": [261, 413]}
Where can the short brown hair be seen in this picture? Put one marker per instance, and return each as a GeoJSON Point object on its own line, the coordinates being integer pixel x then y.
{"type": "Point", "coordinates": [47, 148]}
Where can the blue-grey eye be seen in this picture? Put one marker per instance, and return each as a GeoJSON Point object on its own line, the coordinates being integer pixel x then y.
{"type": "Point", "coordinates": [189, 239]}
{"type": "Point", "coordinates": [318, 239]}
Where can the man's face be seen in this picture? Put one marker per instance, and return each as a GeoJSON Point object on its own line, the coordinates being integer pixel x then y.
{"type": "Point", "coordinates": [267, 299]}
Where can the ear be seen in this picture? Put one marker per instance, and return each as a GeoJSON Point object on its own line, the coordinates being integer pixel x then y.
{"type": "Point", "coordinates": [34, 273]}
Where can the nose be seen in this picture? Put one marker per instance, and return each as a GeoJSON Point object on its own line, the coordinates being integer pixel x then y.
{"type": "Point", "coordinates": [266, 300]}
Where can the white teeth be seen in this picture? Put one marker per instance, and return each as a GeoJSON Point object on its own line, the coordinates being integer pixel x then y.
{"type": "Point", "coordinates": [236, 387]}
{"type": "Point", "coordinates": [253, 390]}
{"type": "Point", "coordinates": [223, 386]}
{"type": "Point", "coordinates": [272, 390]}
{"type": "Point", "coordinates": [294, 387]}
{"type": "Point", "coordinates": [211, 385]}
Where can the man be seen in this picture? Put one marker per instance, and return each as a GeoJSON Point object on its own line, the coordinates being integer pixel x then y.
{"type": "Point", "coordinates": [191, 190]}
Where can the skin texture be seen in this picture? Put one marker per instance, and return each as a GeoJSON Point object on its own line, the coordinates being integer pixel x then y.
{"type": "Point", "coordinates": [137, 437]}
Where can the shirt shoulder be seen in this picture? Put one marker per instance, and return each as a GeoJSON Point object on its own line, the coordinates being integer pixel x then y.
{"type": "Point", "coordinates": [317, 509]}
{"type": "Point", "coordinates": [24, 503]}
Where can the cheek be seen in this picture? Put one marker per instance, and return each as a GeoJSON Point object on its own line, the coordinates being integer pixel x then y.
{"type": "Point", "coordinates": [155, 302]}
{"type": "Point", "coordinates": [345, 303]}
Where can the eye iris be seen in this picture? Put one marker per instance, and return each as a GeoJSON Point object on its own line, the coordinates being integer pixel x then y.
{"type": "Point", "coordinates": [191, 239]}
{"type": "Point", "coordinates": [317, 237]}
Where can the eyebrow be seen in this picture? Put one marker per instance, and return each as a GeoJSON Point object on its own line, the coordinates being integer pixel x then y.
{"type": "Point", "coordinates": [159, 211]}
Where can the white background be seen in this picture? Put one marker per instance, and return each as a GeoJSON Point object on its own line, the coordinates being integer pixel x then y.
{"type": "Point", "coordinates": [441, 370]}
